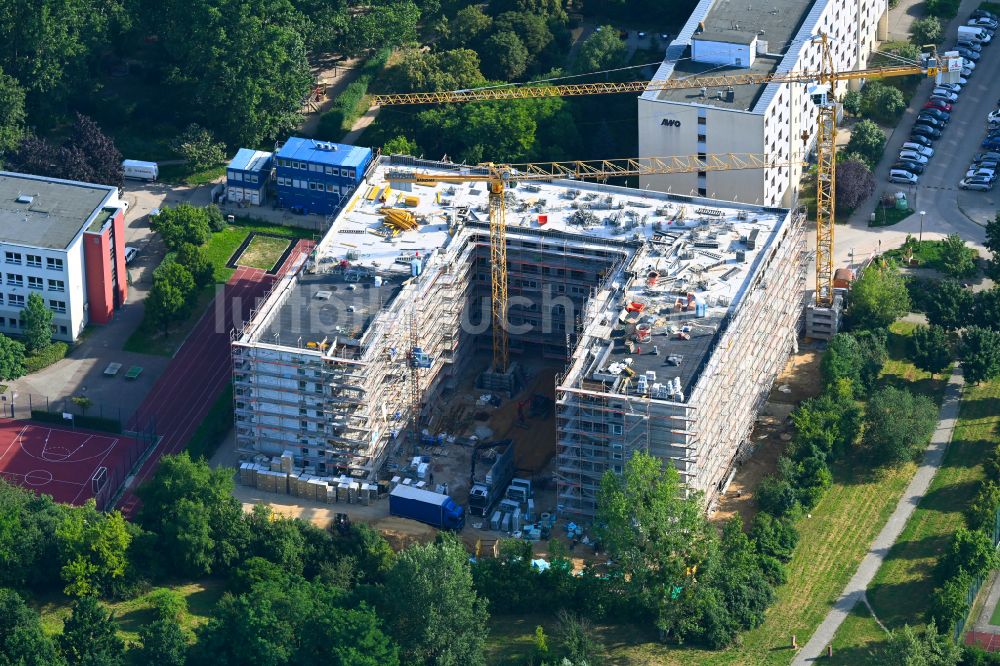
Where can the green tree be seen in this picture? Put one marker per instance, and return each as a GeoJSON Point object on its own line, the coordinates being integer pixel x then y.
{"type": "Point", "coordinates": [541, 644]}
{"type": "Point", "coordinates": [931, 348]}
{"type": "Point", "coordinates": [197, 263]}
{"type": "Point", "coordinates": [11, 358]}
{"type": "Point", "coordinates": [842, 360]}
{"type": "Point", "coordinates": [190, 508]}
{"type": "Point", "coordinates": [957, 259]}
{"type": "Point", "coordinates": [532, 29]}
{"type": "Point", "coordinates": [23, 641]}
{"type": "Point", "coordinates": [37, 321]}
{"type": "Point", "coordinates": [94, 548]}
{"type": "Point", "coordinates": [882, 102]}
{"type": "Point", "coordinates": [415, 70]}
{"type": "Point", "coordinates": [182, 224]}
{"type": "Point", "coordinates": [981, 512]}
{"type": "Point", "coordinates": [602, 50]}
{"type": "Point", "coordinates": [400, 145]}
{"type": "Point", "coordinates": [350, 637]}
{"type": "Point", "coordinates": [431, 607]}
{"type": "Point", "coordinates": [577, 637]}
{"type": "Point", "coordinates": [878, 297]}
{"type": "Point", "coordinates": [90, 636]}
{"type": "Point", "coordinates": [654, 535]}
{"type": "Point", "coordinates": [469, 25]}
{"type": "Point", "coordinates": [244, 631]}
{"type": "Point", "coordinates": [980, 354]}
{"type": "Point", "coordinates": [169, 299]}
{"type": "Point", "coordinates": [986, 308]}
{"type": "Point", "coordinates": [12, 114]}
{"type": "Point", "coordinates": [971, 551]}
{"type": "Point", "coordinates": [504, 56]}
{"type": "Point", "coordinates": [896, 424]}
{"type": "Point", "coordinates": [928, 30]}
{"type": "Point", "coordinates": [776, 496]}
{"type": "Point", "coordinates": [745, 591]}
{"type": "Point", "coordinates": [868, 140]}
{"type": "Point", "coordinates": [169, 604]}
{"type": "Point", "coordinates": [992, 244]}
{"type": "Point", "coordinates": [947, 304]}
{"type": "Point", "coordinates": [199, 148]}
{"type": "Point", "coordinates": [906, 647]}
{"type": "Point", "coordinates": [163, 643]}
{"type": "Point", "coordinates": [949, 603]}
{"type": "Point", "coordinates": [855, 183]}
{"type": "Point", "coordinates": [383, 24]}
{"type": "Point", "coordinates": [775, 537]}
{"type": "Point", "coordinates": [828, 423]}
{"type": "Point", "coordinates": [852, 102]}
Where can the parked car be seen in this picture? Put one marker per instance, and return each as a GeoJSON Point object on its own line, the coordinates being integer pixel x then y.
{"type": "Point", "coordinates": [982, 13]}
{"type": "Point", "coordinates": [902, 176]}
{"type": "Point", "coordinates": [913, 156]}
{"type": "Point", "coordinates": [983, 22]}
{"type": "Point", "coordinates": [926, 130]}
{"type": "Point", "coordinates": [981, 173]}
{"type": "Point", "coordinates": [991, 144]}
{"type": "Point", "coordinates": [966, 72]}
{"type": "Point", "coordinates": [993, 116]}
{"type": "Point", "coordinates": [938, 104]}
{"type": "Point", "coordinates": [986, 164]}
{"type": "Point", "coordinates": [946, 94]}
{"type": "Point", "coordinates": [978, 184]}
{"type": "Point", "coordinates": [952, 87]}
{"type": "Point", "coordinates": [968, 64]}
{"type": "Point", "coordinates": [907, 165]}
{"type": "Point", "coordinates": [967, 54]}
{"type": "Point", "coordinates": [918, 148]}
{"type": "Point", "coordinates": [131, 253]}
{"type": "Point", "coordinates": [931, 120]}
{"type": "Point", "coordinates": [936, 113]}
{"type": "Point", "coordinates": [922, 140]}
{"type": "Point", "coordinates": [972, 46]}
{"type": "Point", "coordinates": [979, 157]}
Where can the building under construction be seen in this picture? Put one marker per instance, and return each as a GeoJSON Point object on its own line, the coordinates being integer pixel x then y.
{"type": "Point", "coordinates": [672, 316]}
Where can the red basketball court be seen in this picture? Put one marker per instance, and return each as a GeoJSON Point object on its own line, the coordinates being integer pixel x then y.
{"type": "Point", "coordinates": [70, 465]}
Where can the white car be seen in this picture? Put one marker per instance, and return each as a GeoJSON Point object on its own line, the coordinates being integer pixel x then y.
{"type": "Point", "coordinates": [912, 156]}
{"type": "Point", "coordinates": [953, 87]}
{"type": "Point", "coordinates": [902, 176]}
{"type": "Point", "coordinates": [917, 148]}
{"type": "Point", "coordinates": [945, 93]}
{"type": "Point", "coordinates": [993, 117]}
{"type": "Point", "coordinates": [984, 22]}
{"type": "Point", "coordinates": [967, 64]}
{"type": "Point", "coordinates": [982, 173]}
{"type": "Point", "coordinates": [131, 253]}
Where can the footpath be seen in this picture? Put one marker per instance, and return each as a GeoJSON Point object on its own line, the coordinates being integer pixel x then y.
{"type": "Point", "coordinates": [948, 416]}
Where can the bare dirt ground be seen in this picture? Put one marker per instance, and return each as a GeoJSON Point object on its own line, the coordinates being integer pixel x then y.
{"type": "Point", "coordinates": [798, 381]}
{"type": "Point", "coordinates": [335, 75]}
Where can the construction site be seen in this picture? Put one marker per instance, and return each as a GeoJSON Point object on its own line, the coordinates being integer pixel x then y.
{"type": "Point", "coordinates": [636, 321]}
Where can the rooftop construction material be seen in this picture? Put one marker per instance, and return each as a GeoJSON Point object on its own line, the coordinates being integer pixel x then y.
{"type": "Point", "coordinates": [633, 290]}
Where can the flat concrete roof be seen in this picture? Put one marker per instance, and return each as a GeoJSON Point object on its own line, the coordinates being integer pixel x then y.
{"type": "Point", "coordinates": [247, 159]}
{"type": "Point", "coordinates": [327, 305]}
{"type": "Point", "coordinates": [55, 214]}
{"type": "Point", "coordinates": [774, 22]}
{"type": "Point", "coordinates": [323, 152]}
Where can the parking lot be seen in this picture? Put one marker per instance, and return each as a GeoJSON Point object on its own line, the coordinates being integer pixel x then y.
{"type": "Point", "coordinates": [953, 152]}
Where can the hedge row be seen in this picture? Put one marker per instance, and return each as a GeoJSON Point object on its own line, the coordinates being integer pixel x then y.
{"type": "Point", "coordinates": [45, 357]}
{"type": "Point", "coordinates": [88, 422]}
{"type": "Point", "coordinates": [350, 104]}
{"type": "Point", "coordinates": [214, 428]}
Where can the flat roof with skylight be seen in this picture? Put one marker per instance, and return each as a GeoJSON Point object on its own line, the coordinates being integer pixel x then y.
{"type": "Point", "coordinates": [47, 212]}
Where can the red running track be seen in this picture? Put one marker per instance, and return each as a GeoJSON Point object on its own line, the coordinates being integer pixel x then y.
{"type": "Point", "coordinates": [182, 397]}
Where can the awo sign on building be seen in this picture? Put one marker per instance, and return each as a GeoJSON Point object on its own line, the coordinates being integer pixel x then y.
{"type": "Point", "coordinates": [670, 122]}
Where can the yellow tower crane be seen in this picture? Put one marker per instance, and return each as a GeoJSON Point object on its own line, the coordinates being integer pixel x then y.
{"type": "Point", "coordinates": [826, 135]}
{"type": "Point", "coordinates": [499, 176]}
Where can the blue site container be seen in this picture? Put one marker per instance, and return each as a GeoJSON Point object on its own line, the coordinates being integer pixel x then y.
{"type": "Point", "coordinates": [318, 177]}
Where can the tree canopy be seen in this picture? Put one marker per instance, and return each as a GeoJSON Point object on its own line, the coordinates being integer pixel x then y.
{"type": "Point", "coordinates": [878, 297]}
{"type": "Point", "coordinates": [896, 424]}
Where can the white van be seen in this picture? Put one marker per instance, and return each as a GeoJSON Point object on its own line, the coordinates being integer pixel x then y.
{"type": "Point", "coordinates": [138, 170]}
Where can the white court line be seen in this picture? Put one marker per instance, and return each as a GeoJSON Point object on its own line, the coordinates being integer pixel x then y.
{"type": "Point", "coordinates": [100, 462]}
{"type": "Point", "coordinates": [16, 440]}
{"type": "Point", "coordinates": [71, 453]}
{"type": "Point", "coordinates": [54, 480]}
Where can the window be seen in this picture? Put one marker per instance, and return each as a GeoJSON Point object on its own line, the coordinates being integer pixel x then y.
{"type": "Point", "coordinates": [316, 167]}
{"type": "Point", "coordinates": [702, 121]}
{"type": "Point", "coordinates": [53, 264]}
{"type": "Point", "coordinates": [235, 175]}
{"type": "Point", "coordinates": [702, 192]}
{"type": "Point", "coordinates": [616, 429]}
{"type": "Point", "coordinates": [34, 261]}
{"type": "Point", "coordinates": [347, 173]}
{"type": "Point", "coordinates": [17, 300]}
{"type": "Point", "coordinates": [701, 138]}
{"type": "Point", "coordinates": [12, 322]}
{"type": "Point", "coordinates": [13, 257]}
{"type": "Point", "coordinates": [251, 179]}
{"type": "Point", "coordinates": [34, 282]}
{"type": "Point", "coordinates": [15, 280]}
{"type": "Point", "coordinates": [1, 303]}
{"type": "Point", "coordinates": [57, 285]}
{"type": "Point", "coordinates": [333, 171]}
{"type": "Point", "coordinates": [332, 188]}
{"type": "Point", "coordinates": [58, 306]}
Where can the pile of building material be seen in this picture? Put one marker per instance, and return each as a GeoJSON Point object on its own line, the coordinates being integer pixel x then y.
{"type": "Point", "coordinates": [399, 219]}
{"type": "Point", "coordinates": [280, 475]}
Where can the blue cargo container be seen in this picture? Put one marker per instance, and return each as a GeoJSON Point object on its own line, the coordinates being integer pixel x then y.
{"type": "Point", "coordinates": [247, 176]}
{"type": "Point", "coordinates": [427, 507]}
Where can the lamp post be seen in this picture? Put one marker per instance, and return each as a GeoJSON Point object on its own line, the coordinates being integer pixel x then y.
{"type": "Point", "coordinates": [921, 238]}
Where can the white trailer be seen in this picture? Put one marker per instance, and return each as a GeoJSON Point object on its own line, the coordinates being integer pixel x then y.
{"type": "Point", "coordinates": [138, 170]}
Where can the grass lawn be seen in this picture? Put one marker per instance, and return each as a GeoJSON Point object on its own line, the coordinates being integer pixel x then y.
{"type": "Point", "coordinates": [886, 217]}
{"type": "Point", "coordinates": [180, 174]}
{"type": "Point", "coordinates": [833, 540]}
{"type": "Point", "coordinates": [263, 252]}
{"type": "Point", "coordinates": [927, 254]}
{"type": "Point", "coordinates": [201, 600]}
{"type": "Point", "coordinates": [856, 638]}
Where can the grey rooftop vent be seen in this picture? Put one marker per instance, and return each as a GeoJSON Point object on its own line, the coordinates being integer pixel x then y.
{"type": "Point", "coordinates": [25, 198]}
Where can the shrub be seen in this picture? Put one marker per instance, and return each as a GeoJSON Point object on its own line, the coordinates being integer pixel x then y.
{"type": "Point", "coordinates": [87, 422]}
{"type": "Point", "coordinates": [46, 356]}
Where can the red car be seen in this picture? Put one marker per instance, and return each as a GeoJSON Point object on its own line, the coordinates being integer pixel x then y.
{"type": "Point", "coordinates": [937, 104]}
